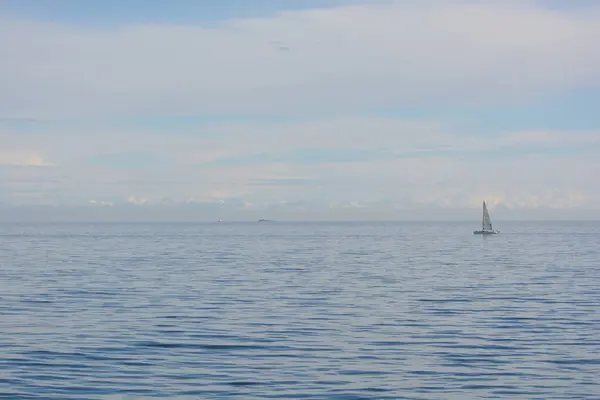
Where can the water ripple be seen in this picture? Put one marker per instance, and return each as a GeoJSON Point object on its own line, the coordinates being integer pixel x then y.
{"type": "Point", "coordinates": [299, 311]}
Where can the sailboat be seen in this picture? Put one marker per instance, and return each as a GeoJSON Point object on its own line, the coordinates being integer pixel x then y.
{"type": "Point", "coordinates": [486, 223]}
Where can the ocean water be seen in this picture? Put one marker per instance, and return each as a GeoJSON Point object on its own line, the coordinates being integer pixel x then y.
{"type": "Point", "coordinates": [299, 311]}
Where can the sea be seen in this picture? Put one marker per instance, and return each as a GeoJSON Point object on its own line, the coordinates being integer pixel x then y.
{"type": "Point", "coordinates": [282, 310]}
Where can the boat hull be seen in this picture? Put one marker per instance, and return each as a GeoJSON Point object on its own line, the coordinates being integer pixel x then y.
{"type": "Point", "coordinates": [485, 232]}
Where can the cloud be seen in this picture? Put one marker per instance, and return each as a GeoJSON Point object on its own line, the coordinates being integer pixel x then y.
{"type": "Point", "coordinates": [23, 159]}
{"type": "Point", "coordinates": [342, 59]}
{"type": "Point", "coordinates": [101, 203]}
{"type": "Point", "coordinates": [137, 201]}
{"type": "Point", "coordinates": [238, 127]}
{"type": "Point", "coordinates": [410, 163]}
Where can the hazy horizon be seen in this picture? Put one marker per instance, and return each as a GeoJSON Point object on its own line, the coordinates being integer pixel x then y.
{"type": "Point", "coordinates": [166, 214]}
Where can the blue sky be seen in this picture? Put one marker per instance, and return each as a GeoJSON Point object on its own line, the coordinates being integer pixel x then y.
{"type": "Point", "coordinates": [115, 12]}
{"type": "Point", "coordinates": [320, 107]}
{"type": "Point", "coordinates": [125, 12]}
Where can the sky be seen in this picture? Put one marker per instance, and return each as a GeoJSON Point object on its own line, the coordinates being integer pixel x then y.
{"type": "Point", "coordinates": [313, 110]}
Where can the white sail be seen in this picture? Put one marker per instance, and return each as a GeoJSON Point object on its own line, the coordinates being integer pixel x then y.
{"type": "Point", "coordinates": [486, 224]}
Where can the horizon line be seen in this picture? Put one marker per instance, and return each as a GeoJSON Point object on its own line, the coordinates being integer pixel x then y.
{"type": "Point", "coordinates": [293, 221]}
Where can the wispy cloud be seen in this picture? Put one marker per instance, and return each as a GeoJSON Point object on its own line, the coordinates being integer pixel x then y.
{"type": "Point", "coordinates": [213, 115]}
{"type": "Point", "coordinates": [382, 158]}
{"type": "Point", "coordinates": [25, 159]}
{"type": "Point", "coordinates": [345, 58]}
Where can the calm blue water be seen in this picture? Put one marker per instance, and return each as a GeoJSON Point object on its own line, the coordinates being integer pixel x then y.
{"type": "Point", "coordinates": [282, 310]}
